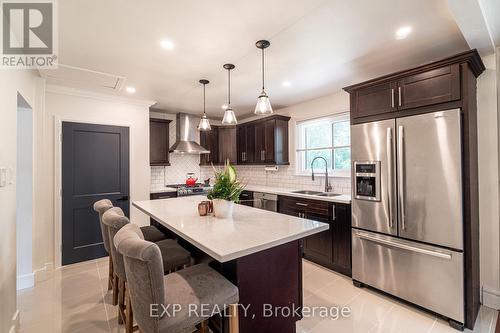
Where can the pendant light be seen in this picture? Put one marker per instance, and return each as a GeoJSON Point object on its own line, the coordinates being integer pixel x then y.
{"type": "Point", "coordinates": [229, 116]}
{"type": "Point", "coordinates": [263, 106]}
{"type": "Point", "coordinates": [204, 125]}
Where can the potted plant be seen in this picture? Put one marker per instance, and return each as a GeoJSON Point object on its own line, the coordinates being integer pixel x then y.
{"type": "Point", "coordinates": [226, 191]}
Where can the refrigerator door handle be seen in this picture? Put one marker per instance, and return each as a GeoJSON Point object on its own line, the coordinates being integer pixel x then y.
{"type": "Point", "coordinates": [401, 176]}
{"type": "Point", "coordinates": [389, 176]}
{"type": "Point", "coordinates": [395, 244]}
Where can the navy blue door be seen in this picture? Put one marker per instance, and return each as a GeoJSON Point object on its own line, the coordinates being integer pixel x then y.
{"type": "Point", "coordinates": [95, 165]}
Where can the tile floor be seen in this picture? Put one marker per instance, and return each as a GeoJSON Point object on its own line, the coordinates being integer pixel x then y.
{"type": "Point", "coordinates": [76, 300]}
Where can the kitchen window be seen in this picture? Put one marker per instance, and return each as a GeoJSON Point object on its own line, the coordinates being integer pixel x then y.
{"type": "Point", "coordinates": [328, 137]}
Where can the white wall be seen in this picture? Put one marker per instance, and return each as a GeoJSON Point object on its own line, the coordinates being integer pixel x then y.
{"type": "Point", "coordinates": [11, 82]}
{"type": "Point", "coordinates": [24, 195]}
{"type": "Point", "coordinates": [70, 105]}
{"type": "Point", "coordinates": [488, 181]}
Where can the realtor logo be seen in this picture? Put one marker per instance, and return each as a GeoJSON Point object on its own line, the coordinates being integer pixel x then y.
{"type": "Point", "coordinates": [28, 34]}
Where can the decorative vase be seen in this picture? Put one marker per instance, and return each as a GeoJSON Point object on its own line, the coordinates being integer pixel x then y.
{"type": "Point", "coordinates": [223, 208]}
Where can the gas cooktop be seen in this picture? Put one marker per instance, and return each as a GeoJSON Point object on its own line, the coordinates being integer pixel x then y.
{"type": "Point", "coordinates": [183, 189]}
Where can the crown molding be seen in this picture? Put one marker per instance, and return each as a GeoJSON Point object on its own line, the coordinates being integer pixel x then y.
{"type": "Point", "coordinates": [63, 90]}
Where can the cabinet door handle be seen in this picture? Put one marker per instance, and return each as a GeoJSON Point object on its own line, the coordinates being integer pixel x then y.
{"type": "Point", "coordinates": [334, 217]}
{"type": "Point", "coordinates": [301, 204]}
{"type": "Point", "coordinates": [399, 95]}
{"type": "Point", "coordinates": [392, 98]}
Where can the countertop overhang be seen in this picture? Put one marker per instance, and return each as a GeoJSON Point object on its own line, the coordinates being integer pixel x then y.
{"type": "Point", "coordinates": [250, 230]}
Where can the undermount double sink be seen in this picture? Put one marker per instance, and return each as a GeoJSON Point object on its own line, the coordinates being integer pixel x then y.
{"type": "Point", "coordinates": [316, 193]}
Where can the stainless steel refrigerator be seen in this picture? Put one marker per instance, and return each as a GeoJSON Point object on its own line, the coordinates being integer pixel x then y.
{"type": "Point", "coordinates": [407, 235]}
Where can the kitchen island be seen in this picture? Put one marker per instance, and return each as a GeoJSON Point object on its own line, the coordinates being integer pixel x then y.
{"type": "Point", "coordinates": [259, 251]}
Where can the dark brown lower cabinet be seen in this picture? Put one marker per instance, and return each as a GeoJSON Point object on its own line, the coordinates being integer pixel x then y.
{"type": "Point", "coordinates": [246, 198]}
{"type": "Point", "coordinates": [330, 248]}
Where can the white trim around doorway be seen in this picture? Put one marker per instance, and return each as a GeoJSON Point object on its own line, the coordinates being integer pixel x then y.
{"type": "Point", "coordinates": [58, 176]}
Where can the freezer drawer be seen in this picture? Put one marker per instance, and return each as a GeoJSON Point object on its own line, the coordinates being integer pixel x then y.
{"type": "Point", "coordinates": [425, 275]}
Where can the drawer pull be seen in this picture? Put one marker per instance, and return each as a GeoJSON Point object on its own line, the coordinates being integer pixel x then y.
{"type": "Point", "coordinates": [402, 246]}
{"type": "Point", "coordinates": [301, 204]}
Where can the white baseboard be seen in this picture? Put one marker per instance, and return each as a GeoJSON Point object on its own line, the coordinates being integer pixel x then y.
{"type": "Point", "coordinates": [491, 298]}
{"type": "Point", "coordinates": [44, 273]}
{"type": "Point", "coordinates": [25, 281]}
{"type": "Point", "coordinates": [15, 323]}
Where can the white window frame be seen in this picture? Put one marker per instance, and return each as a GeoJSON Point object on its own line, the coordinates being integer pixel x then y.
{"type": "Point", "coordinates": [300, 147]}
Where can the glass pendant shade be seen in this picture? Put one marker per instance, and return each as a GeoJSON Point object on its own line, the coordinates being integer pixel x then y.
{"type": "Point", "coordinates": [263, 105]}
{"type": "Point", "coordinates": [204, 124]}
{"type": "Point", "coordinates": [229, 117]}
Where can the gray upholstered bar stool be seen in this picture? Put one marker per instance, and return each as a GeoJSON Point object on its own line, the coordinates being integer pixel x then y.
{"type": "Point", "coordinates": [173, 255]}
{"type": "Point", "coordinates": [151, 233]}
{"type": "Point", "coordinates": [101, 207]}
{"type": "Point", "coordinates": [192, 286]}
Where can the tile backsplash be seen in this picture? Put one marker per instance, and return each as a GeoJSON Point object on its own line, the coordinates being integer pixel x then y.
{"type": "Point", "coordinates": [285, 177]}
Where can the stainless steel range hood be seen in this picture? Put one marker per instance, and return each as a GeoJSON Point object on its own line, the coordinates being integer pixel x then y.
{"type": "Point", "coordinates": [186, 135]}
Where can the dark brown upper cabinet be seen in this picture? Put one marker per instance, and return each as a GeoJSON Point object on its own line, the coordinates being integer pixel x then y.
{"type": "Point", "coordinates": [158, 142]}
{"type": "Point", "coordinates": [246, 143]}
{"type": "Point", "coordinates": [227, 144]}
{"type": "Point", "coordinates": [432, 87]}
{"type": "Point", "coordinates": [210, 141]}
{"type": "Point", "coordinates": [369, 101]}
{"type": "Point", "coordinates": [413, 91]}
{"type": "Point", "coordinates": [264, 141]}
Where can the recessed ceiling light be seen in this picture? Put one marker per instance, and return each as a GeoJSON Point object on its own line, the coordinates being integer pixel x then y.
{"type": "Point", "coordinates": [224, 106]}
{"type": "Point", "coordinates": [130, 90]}
{"type": "Point", "coordinates": [403, 32]}
{"type": "Point", "coordinates": [167, 44]}
{"type": "Point", "coordinates": [286, 83]}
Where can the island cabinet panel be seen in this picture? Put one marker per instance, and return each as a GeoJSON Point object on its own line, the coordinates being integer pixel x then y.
{"type": "Point", "coordinates": [331, 248]}
{"type": "Point", "coordinates": [158, 142]}
{"type": "Point", "coordinates": [227, 144]}
{"type": "Point", "coordinates": [264, 141]}
{"type": "Point", "coordinates": [270, 277]}
{"type": "Point", "coordinates": [210, 141]}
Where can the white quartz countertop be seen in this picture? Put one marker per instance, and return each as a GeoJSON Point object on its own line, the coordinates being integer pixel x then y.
{"type": "Point", "coordinates": [250, 230]}
{"type": "Point", "coordinates": [343, 198]}
{"type": "Point", "coordinates": [163, 189]}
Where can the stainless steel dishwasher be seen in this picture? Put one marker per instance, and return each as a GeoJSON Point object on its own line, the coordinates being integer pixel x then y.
{"type": "Point", "coordinates": [265, 201]}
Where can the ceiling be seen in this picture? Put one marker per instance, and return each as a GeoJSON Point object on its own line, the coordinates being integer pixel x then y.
{"type": "Point", "coordinates": [319, 46]}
